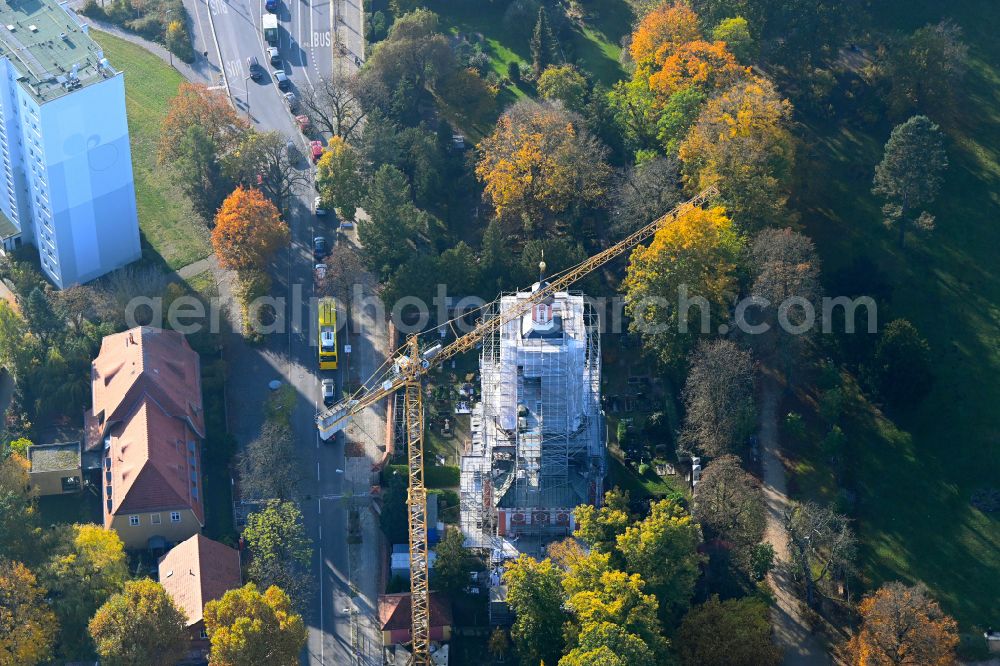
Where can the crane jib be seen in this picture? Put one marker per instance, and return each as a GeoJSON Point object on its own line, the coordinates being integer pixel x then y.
{"type": "Point", "coordinates": [338, 416]}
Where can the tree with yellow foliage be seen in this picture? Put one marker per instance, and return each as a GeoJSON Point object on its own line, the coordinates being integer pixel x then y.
{"type": "Point", "coordinates": [663, 549]}
{"type": "Point", "coordinates": [742, 142]}
{"type": "Point", "coordinates": [903, 626]}
{"type": "Point", "coordinates": [141, 626]}
{"type": "Point", "coordinates": [27, 625]}
{"type": "Point", "coordinates": [248, 231]}
{"type": "Point", "coordinates": [690, 262]}
{"type": "Point", "coordinates": [661, 31]}
{"type": "Point", "coordinates": [17, 500]}
{"type": "Point", "coordinates": [247, 627]}
{"type": "Point", "coordinates": [86, 565]}
{"type": "Point", "coordinates": [540, 162]}
{"type": "Point", "coordinates": [338, 176]}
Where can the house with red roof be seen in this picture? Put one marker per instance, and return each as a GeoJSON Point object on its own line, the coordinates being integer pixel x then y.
{"type": "Point", "coordinates": [193, 573]}
{"type": "Point", "coordinates": [148, 422]}
{"type": "Point", "coordinates": [396, 620]}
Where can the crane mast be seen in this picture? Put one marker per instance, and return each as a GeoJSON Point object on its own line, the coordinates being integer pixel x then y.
{"type": "Point", "coordinates": [407, 372]}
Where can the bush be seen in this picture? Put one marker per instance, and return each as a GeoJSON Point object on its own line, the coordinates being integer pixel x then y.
{"type": "Point", "coordinates": [441, 476]}
{"type": "Point", "coordinates": [643, 469]}
{"type": "Point", "coordinates": [513, 71]}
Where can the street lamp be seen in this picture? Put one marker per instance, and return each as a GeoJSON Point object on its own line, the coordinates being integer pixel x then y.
{"type": "Point", "coordinates": [169, 52]}
{"type": "Point", "coordinates": [246, 86]}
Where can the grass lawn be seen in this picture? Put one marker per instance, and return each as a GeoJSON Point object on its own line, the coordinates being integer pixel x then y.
{"type": "Point", "coordinates": [172, 233]}
{"type": "Point", "coordinates": [917, 471]}
{"type": "Point", "coordinates": [595, 44]}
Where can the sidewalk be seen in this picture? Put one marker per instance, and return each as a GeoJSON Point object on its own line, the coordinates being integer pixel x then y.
{"type": "Point", "coordinates": [200, 71]}
{"type": "Point", "coordinates": [791, 631]}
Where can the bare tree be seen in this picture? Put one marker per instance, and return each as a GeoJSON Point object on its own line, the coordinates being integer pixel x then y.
{"type": "Point", "coordinates": [263, 161]}
{"type": "Point", "coordinates": [729, 500]}
{"type": "Point", "coordinates": [718, 397]}
{"type": "Point", "coordinates": [334, 103]}
{"type": "Point", "coordinates": [267, 466]}
{"type": "Point", "coordinates": [131, 282]}
{"type": "Point", "coordinates": [645, 192]}
{"type": "Point", "coordinates": [786, 274]}
{"type": "Point", "coordinates": [822, 544]}
{"type": "Point", "coordinates": [344, 270]}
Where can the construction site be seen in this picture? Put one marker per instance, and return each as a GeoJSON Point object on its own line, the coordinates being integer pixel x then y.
{"type": "Point", "coordinates": [538, 441]}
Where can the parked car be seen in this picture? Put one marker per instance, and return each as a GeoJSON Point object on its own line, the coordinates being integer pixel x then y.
{"type": "Point", "coordinates": [318, 207]}
{"type": "Point", "coordinates": [254, 68]}
{"type": "Point", "coordinates": [282, 79]}
{"type": "Point", "coordinates": [329, 389]}
{"type": "Point", "coordinates": [274, 56]}
{"type": "Point", "coordinates": [271, 5]}
{"type": "Point", "coordinates": [346, 224]}
{"type": "Point", "coordinates": [319, 248]}
{"type": "Point", "coordinates": [304, 123]}
{"type": "Point", "coordinates": [292, 100]}
{"type": "Point", "coordinates": [316, 148]}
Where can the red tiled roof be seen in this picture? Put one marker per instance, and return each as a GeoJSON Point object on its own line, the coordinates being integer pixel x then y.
{"type": "Point", "coordinates": [140, 380]}
{"type": "Point", "coordinates": [394, 611]}
{"type": "Point", "coordinates": [147, 360]}
{"type": "Point", "coordinates": [197, 571]}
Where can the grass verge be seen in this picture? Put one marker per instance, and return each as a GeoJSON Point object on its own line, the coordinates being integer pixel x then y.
{"type": "Point", "coordinates": [172, 233]}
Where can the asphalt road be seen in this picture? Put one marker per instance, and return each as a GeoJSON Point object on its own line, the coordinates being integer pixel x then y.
{"type": "Point", "coordinates": [341, 617]}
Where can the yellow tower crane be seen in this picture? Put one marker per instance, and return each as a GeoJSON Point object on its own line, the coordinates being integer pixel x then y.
{"type": "Point", "coordinates": [407, 371]}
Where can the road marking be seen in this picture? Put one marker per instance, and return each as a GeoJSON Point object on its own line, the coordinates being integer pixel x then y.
{"type": "Point", "coordinates": [319, 504]}
{"type": "Point", "coordinates": [317, 470]}
{"type": "Point", "coordinates": [322, 629]}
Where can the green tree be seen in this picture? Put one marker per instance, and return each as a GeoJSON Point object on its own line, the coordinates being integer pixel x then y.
{"type": "Point", "coordinates": [496, 263]}
{"type": "Point", "coordinates": [600, 527]}
{"type": "Point", "coordinates": [544, 46]}
{"type": "Point", "coordinates": [736, 632]}
{"type": "Point", "coordinates": [199, 172]}
{"type": "Point", "coordinates": [338, 175]}
{"type": "Point", "coordinates": [663, 549]}
{"type": "Point", "coordinates": [535, 594]}
{"type": "Point", "coordinates": [901, 366]}
{"type": "Point", "coordinates": [677, 116]}
{"type": "Point", "coordinates": [606, 644]}
{"type": "Point", "coordinates": [247, 627]}
{"type": "Point", "coordinates": [396, 226]}
{"type": "Point", "coordinates": [449, 574]}
{"type": "Point", "coordinates": [86, 565]}
{"type": "Point", "coordinates": [279, 548]}
{"type": "Point", "coordinates": [27, 624]}
{"type": "Point", "coordinates": [41, 317]}
{"type": "Point", "coordinates": [565, 84]}
{"type": "Point", "coordinates": [910, 174]}
{"type": "Point", "coordinates": [140, 626]}
{"type": "Point", "coordinates": [922, 71]}
{"type": "Point", "coordinates": [735, 32]}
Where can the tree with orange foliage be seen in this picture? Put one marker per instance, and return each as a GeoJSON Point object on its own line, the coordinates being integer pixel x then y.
{"type": "Point", "coordinates": [702, 65]}
{"type": "Point", "coordinates": [196, 105]}
{"type": "Point", "coordinates": [741, 140]}
{"type": "Point", "coordinates": [248, 231]}
{"type": "Point", "coordinates": [903, 626]}
{"type": "Point", "coordinates": [541, 161]}
{"type": "Point", "coordinates": [661, 32]}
